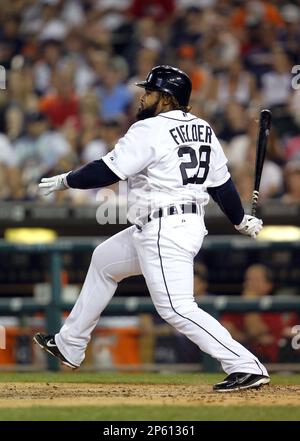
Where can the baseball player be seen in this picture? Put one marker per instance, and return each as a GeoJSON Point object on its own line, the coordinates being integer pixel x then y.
{"type": "Point", "coordinates": [173, 162]}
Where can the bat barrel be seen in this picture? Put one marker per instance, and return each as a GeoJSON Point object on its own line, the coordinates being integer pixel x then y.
{"type": "Point", "coordinates": [261, 147]}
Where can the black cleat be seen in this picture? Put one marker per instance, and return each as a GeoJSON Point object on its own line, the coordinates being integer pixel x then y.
{"type": "Point", "coordinates": [239, 381]}
{"type": "Point", "coordinates": [47, 343]}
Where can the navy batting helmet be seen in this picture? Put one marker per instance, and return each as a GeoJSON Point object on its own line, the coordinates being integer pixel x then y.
{"type": "Point", "coordinates": [170, 80]}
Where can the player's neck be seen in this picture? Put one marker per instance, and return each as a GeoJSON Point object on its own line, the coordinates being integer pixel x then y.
{"type": "Point", "coordinates": [165, 108]}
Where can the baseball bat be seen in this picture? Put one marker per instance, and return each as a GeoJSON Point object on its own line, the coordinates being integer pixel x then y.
{"type": "Point", "coordinates": [261, 148]}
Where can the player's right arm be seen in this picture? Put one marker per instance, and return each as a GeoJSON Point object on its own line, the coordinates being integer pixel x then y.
{"type": "Point", "coordinates": [95, 174]}
{"type": "Point", "coordinates": [132, 153]}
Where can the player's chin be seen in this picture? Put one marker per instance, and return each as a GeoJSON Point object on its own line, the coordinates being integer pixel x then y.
{"type": "Point", "coordinates": [140, 113]}
{"type": "Point", "coordinates": [144, 113]}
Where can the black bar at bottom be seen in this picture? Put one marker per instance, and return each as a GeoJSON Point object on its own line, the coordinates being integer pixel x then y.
{"type": "Point", "coordinates": [64, 430]}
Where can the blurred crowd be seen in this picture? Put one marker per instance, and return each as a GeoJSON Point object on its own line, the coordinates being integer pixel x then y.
{"type": "Point", "coordinates": [267, 334]}
{"type": "Point", "coordinates": [71, 66]}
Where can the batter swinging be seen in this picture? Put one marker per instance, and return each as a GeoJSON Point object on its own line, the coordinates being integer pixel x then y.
{"type": "Point", "coordinates": [173, 162]}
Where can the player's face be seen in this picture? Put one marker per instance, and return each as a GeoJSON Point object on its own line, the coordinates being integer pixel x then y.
{"type": "Point", "coordinates": [149, 104]}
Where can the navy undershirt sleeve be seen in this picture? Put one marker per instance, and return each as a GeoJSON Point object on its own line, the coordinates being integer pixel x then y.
{"type": "Point", "coordinates": [228, 199]}
{"type": "Point", "coordinates": [95, 174]}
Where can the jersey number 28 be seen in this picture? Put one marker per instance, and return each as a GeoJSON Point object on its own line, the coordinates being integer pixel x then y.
{"type": "Point", "coordinates": [203, 164]}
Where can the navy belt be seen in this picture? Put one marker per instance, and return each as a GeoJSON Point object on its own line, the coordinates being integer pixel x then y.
{"type": "Point", "coordinates": [169, 211]}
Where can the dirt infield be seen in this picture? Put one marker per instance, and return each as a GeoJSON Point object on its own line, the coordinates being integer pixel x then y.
{"type": "Point", "coordinates": [18, 395]}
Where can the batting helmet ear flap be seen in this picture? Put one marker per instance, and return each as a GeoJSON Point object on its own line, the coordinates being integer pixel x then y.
{"type": "Point", "coordinates": [170, 80]}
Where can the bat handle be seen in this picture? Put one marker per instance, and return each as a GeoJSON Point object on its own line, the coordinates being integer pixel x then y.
{"type": "Point", "coordinates": [254, 202]}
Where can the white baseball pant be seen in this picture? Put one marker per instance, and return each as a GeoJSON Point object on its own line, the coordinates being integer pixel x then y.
{"type": "Point", "coordinates": [163, 251]}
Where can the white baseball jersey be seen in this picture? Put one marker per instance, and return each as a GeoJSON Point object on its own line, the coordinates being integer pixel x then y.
{"type": "Point", "coordinates": [171, 158]}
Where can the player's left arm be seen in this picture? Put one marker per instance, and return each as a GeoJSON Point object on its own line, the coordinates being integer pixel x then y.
{"type": "Point", "coordinates": [223, 191]}
{"type": "Point", "coordinates": [228, 199]}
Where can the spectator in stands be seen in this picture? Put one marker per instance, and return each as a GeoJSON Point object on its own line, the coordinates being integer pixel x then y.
{"type": "Point", "coordinates": [7, 163]}
{"type": "Point", "coordinates": [4, 184]}
{"type": "Point", "coordinates": [233, 133]}
{"type": "Point", "coordinates": [188, 28]}
{"type": "Point", "coordinates": [11, 41]}
{"type": "Point", "coordinates": [7, 154]}
{"type": "Point", "coordinates": [291, 136]}
{"type": "Point", "coordinates": [50, 53]}
{"type": "Point", "coordinates": [261, 332]}
{"type": "Point", "coordinates": [292, 182]}
{"type": "Point", "coordinates": [219, 45]}
{"type": "Point", "coordinates": [289, 35]}
{"type": "Point", "coordinates": [62, 103]}
{"type": "Point", "coordinates": [146, 58]}
{"type": "Point", "coordinates": [257, 51]}
{"type": "Point", "coordinates": [159, 10]}
{"type": "Point", "coordinates": [114, 95]}
{"type": "Point", "coordinates": [52, 24]}
{"type": "Point", "coordinates": [14, 122]}
{"type": "Point", "coordinates": [277, 85]}
{"type": "Point", "coordinates": [75, 51]}
{"type": "Point", "coordinates": [292, 149]}
{"type": "Point", "coordinates": [233, 85]}
{"type": "Point", "coordinates": [39, 149]}
{"type": "Point", "coordinates": [145, 35]}
{"type": "Point", "coordinates": [97, 60]}
{"type": "Point", "coordinates": [18, 187]}
{"type": "Point", "coordinates": [109, 133]}
{"type": "Point", "coordinates": [20, 86]}
{"type": "Point", "coordinates": [89, 131]}
{"type": "Point", "coordinates": [186, 61]}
